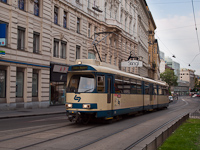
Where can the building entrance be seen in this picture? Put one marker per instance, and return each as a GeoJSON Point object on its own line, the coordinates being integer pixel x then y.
{"type": "Point", "coordinates": [57, 93]}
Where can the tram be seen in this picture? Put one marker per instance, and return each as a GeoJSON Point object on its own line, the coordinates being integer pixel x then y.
{"type": "Point", "coordinates": [96, 90]}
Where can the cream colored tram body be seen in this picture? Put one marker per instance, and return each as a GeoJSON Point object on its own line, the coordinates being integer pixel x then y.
{"type": "Point", "coordinates": [100, 91]}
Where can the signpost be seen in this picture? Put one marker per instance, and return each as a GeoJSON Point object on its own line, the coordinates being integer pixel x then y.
{"type": "Point", "coordinates": [132, 63]}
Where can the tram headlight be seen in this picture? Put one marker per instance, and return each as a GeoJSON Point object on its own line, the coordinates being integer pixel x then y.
{"type": "Point", "coordinates": [68, 105]}
{"type": "Point", "coordinates": [86, 106]}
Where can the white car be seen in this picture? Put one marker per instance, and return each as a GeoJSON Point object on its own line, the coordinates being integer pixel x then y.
{"type": "Point", "coordinates": [170, 99]}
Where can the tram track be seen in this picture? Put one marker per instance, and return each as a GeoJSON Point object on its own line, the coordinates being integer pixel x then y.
{"type": "Point", "coordinates": [122, 130]}
{"type": "Point", "coordinates": [51, 139]}
{"type": "Point", "coordinates": [76, 132]}
{"type": "Point", "coordinates": [152, 132]}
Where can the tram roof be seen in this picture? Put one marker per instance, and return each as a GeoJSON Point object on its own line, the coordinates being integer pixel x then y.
{"type": "Point", "coordinates": [107, 68]}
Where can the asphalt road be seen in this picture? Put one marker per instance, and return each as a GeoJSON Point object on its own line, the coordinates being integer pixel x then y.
{"type": "Point", "coordinates": [56, 132]}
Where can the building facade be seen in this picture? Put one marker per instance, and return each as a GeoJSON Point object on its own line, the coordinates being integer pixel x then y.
{"type": "Point", "coordinates": [43, 38]}
{"type": "Point", "coordinates": [189, 76]}
{"type": "Point", "coordinates": [174, 65]}
{"type": "Point", "coordinates": [25, 66]}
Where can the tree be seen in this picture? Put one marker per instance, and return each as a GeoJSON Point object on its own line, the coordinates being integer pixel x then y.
{"type": "Point", "coordinates": [169, 77]}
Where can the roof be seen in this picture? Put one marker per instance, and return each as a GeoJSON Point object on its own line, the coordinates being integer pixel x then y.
{"type": "Point", "coordinates": [105, 68]}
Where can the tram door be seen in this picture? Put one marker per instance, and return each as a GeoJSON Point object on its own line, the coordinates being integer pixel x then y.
{"type": "Point", "coordinates": [109, 89]}
{"type": "Point", "coordinates": [151, 94]}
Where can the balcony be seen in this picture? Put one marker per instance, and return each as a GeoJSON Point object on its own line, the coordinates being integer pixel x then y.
{"type": "Point", "coordinates": [113, 22]}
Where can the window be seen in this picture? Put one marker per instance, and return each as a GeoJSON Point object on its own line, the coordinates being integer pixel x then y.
{"type": "Point", "coordinates": [78, 25]}
{"type": "Point", "coordinates": [4, 1]}
{"type": "Point", "coordinates": [120, 61]}
{"type": "Point", "coordinates": [55, 48]}
{"type": "Point", "coordinates": [63, 50]}
{"type": "Point", "coordinates": [139, 87]}
{"type": "Point", "coordinates": [35, 84]}
{"type": "Point", "coordinates": [36, 42]}
{"type": "Point", "coordinates": [118, 84]}
{"type": "Point", "coordinates": [110, 59]}
{"type": "Point", "coordinates": [101, 83]}
{"type": "Point", "coordinates": [65, 19]}
{"type": "Point", "coordinates": [105, 10]}
{"type": "Point", "coordinates": [4, 33]}
{"type": "Point", "coordinates": [78, 52]}
{"type": "Point", "coordinates": [125, 23]}
{"type": "Point", "coordinates": [155, 90]}
{"type": "Point", "coordinates": [133, 86]}
{"type": "Point", "coordinates": [21, 38]}
{"type": "Point", "coordinates": [19, 84]}
{"type": "Point", "coordinates": [56, 15]}
{"type": "Point", "coordinates": [115, 45]}
{"type": "Point", "coordinates": [91, 55]}
{"type": "Point", "coordinates": [84, 83]}
{"type": "Point", "coordinates": [88, 3]}
{"type": "Point", "coordinates": [36, 8]}
{"type": "Point", "coordinates": [105, 57]}
{"type": "Point", "coordinates": [95, 31]}
{"type": "Point", "coordinates": [146, 88]}
{"type": "Point", "coordinates": [89, 30]}
{"type": "Point", "coordinates": [127, 86]}
{"type": "Point", "coordinates": [21, 4]}
{"type": "Point", "coordinates": [2, 83]}
{"type": "Point", "coordinates": [110, 40]}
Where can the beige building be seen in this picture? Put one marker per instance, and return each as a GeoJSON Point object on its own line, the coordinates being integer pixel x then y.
{"type": "Point", "coordinates": [153, 49]}
{"type": "Point", "coordinates": [45, 37]}
{"type": "Point", "coordinates": [189, 76]}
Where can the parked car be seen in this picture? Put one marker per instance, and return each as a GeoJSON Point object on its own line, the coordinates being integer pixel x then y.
{"type": "Point", "coordinates": [170, 99]}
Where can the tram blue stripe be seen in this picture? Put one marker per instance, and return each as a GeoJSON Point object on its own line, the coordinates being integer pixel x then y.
{"type": "Point", "coordinates": [111, 113]}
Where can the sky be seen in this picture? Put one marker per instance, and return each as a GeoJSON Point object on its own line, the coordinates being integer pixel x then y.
{"type": "Point", "coordinates": [176, 31]}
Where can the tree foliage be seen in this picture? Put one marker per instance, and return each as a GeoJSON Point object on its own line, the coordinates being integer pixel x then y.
{"type": "Point", "coordinates": [169, 77]}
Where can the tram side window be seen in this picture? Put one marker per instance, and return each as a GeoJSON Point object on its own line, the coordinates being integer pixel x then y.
{"type": "Point", "coordinates": [155, 89]}
{"type": "Point", "coordinates": [127, 85]}
{"type": "Point", "coordinates": [151, 92]}
{"type": "Point", "coordinates": [73, 85]}
{"type": "Point", "coordinates": [160, 90]}
{"type": "Point", "coordinates": [139, 87]}
{"type": "Point", "coordinates": [164, 90]}
{"type": "Point", "coordinates": [133, 86]}
{"type": "Point", "coordinates": [101, 83]}
{"type": "Point", "coordinates": [146, 88]}
{"type": "Point", "coordinates": [118, 84]}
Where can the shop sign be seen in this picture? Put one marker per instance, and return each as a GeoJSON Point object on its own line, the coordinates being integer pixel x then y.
{"type": "Point", "coordinates": [61, 69]}
{"type": "Point", "coordinates": [132, 63]}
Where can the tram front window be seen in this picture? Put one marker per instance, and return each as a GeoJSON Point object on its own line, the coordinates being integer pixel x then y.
{"type": "Point", "coordinates": [81, 83]}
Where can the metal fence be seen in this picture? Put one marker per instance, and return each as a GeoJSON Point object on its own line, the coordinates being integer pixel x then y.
{"type": "Point", "coordinates": [159, 140]}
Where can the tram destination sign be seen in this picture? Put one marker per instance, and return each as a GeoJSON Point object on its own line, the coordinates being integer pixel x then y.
{"type": "Point", "coordinates": [75, 68]}
{"type": "Point", "coordinates": [132, 63]}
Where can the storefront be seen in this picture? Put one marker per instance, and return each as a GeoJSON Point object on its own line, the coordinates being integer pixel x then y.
{"type": "Point", "coordinates": [58, 79]}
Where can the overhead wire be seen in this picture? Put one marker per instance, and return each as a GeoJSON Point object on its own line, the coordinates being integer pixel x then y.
{"type": "Point", "coordinates": [196, 32]}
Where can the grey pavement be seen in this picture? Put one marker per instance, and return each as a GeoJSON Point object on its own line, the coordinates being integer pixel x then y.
{"type": "Point", "coordinates": [22, 112]}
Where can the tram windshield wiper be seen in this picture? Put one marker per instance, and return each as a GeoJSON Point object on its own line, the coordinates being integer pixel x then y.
{"type": "Point", "coordinates": [87, 90]}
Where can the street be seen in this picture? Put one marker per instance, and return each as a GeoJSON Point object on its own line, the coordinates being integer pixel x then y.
{"type": "Point", "coordinates": [56, 132]}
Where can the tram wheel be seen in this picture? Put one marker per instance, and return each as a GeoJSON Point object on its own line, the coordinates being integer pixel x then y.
{"type": "Point", "coordinates": [85, 119]}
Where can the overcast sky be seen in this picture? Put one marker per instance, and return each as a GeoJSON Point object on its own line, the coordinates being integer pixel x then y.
{"type": "Point", "coordinates": [176, 32]}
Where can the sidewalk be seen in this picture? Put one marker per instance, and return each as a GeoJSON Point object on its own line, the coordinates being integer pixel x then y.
{"type": "Point", "coordinates": [22, 112]}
